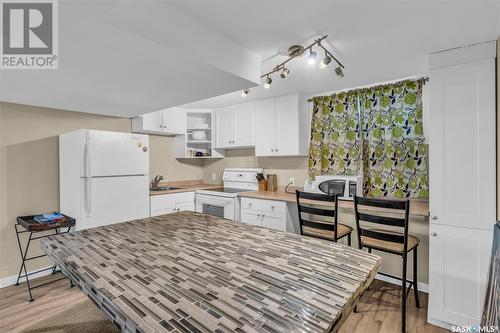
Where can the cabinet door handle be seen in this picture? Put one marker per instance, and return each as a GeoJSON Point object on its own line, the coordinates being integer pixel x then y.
{"type": "Point", "coordinates": [434, 234]}
{"type": "Point", "coordinates": [276, 149]}
{"type": "Point", "coordinates": [272, 149]}
{"type": "Point", "coordinates": [434, 217]}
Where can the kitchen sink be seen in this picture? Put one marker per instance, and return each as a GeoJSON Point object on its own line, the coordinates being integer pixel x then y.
{"type": "Point", "coordinates": [164, 188]}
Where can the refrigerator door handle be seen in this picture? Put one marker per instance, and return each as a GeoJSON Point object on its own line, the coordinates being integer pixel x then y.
{"type": "Point", "coordinates": [88, 196]}
{"type": "Point", "coordinates": [88, 172]}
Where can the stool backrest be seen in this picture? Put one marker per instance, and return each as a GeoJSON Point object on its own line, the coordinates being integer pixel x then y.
{"type": "Point", "coordinates": [373, 214]}
{"type": "Point", "coordinates": [305, 202]}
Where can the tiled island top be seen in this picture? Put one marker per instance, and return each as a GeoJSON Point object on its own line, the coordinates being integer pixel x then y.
{"type": "Point", "coordinates": [191, 272]}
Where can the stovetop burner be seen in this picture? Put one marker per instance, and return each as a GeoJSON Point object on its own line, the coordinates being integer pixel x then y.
{"type": "Point", "coordinates": [228, 190]}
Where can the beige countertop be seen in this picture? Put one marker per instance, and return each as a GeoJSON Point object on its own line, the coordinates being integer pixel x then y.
{"type": "Point", "coordinates": [418, 207]}
{"type": "Point", "coordinates": [184, 186]}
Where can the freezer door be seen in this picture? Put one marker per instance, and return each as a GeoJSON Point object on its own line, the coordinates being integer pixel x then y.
{"type": "Point", "coordinates": [111, 200]}
{"type": "Point", "coordinates": [114, 154]}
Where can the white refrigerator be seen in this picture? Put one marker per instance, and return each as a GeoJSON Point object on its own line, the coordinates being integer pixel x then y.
{"type": "Point", "coordinates": [104, 177]}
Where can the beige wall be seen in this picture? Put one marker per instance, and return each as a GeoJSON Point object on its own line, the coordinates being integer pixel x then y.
{"type": "Point", "coordinates": [284, 167]}
{"type": "Point", "coordinates": [29, 178]}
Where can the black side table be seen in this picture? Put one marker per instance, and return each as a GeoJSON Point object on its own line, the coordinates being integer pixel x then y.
{"type": "Point", "coordinates": [29, 224]}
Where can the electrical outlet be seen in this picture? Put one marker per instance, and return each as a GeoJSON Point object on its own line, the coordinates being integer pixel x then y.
{"type": "Point", "coordinates": [291, 181]}
{"type": "Point", "coordinates": [214, 176]}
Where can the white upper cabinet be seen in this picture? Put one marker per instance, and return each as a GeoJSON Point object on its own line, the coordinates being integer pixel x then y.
{"type": "Point", "coordinates": [281, 127]}
{"type": "Point", "coordinates": [462, 138]}
{"type": "Point", "coordinates": [234, 126]}
{"type": "Point", "coordinates": [244, 126]}
{"type": "Point", "coordinates": [164, 122]}
{"type": "Point", "coordinates": [265, 127]}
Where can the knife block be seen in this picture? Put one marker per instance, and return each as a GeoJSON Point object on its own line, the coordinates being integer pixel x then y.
{"type": "Point", "coordinates": [262, 186]}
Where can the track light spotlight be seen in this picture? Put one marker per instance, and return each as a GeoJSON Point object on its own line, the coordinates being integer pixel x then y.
{"type": "Point", "coordinates": [312, 57]}
{"type": "Point", "coordinates": [284, 73]}
{"type": "Point", "coordinates": [244, 93]}
{"type": "Point", "coordinates": [325, 62]}
{"type": "Point", "coordinates": [295, 51]}
{"type": "Point", "coordinates": [339, 72]}
{"type": "Point", "coordinates": [268, 82]}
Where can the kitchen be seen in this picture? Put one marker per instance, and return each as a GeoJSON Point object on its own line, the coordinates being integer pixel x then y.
{"type": "Point", "coordinates": [209, 152]}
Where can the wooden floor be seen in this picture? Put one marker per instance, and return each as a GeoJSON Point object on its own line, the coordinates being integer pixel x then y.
{"type": "Point", "coordinates": [378, 310]}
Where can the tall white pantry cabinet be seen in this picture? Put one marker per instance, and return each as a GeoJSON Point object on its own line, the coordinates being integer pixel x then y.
{"type": "Point", "coordinates": [462, 180]}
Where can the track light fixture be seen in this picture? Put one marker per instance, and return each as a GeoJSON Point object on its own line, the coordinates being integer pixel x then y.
{"type": "Point", "coordinates": [268, 82]}
{"type": "Point", "coordinates": [296, 51]}
{"type": "Point", "coordinates": [339, 72]}
{"type": "Point", "coordinates": [312, 56]}
{"type": "Point", "coordinates": [284, 73]}
{"type": "Point", "coordinates": [325, 62]}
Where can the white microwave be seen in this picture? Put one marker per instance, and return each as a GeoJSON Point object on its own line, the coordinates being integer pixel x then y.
{"type": "Point", "coordinates": [346, 186]}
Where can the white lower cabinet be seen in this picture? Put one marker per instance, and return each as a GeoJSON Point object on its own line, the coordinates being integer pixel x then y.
{"type": "Point", "coordinates": [170, 203]}
{"type": "Point", "coordinates": [274, 221]}
{"type": "Point", "coordinates": [185, 206]}
{"type": "Point", "coordinates": [251, 217]}
{"type": "Point", "coordinates": [458, 270]}
{"type": "Point", "coordinates": [265, 213]}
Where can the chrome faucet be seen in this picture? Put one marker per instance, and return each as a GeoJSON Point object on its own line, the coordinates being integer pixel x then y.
{"type": "Point", "coordinates": [156, 181]}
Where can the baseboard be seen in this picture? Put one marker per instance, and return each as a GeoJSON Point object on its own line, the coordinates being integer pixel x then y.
{"type": "Point", "coordinates": [423, 287]}
{"type": "Point", "coordinates": [439, 323]}
{"type": "Point", "coordinates": [11, 280]}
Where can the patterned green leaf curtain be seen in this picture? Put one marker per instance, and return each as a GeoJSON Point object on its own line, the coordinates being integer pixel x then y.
{"type": "Point", "coordinates": [394, 148]}
{"type": "Point", "coordinates": [335, 147]}
{"type": "Point", "coordinates": [378, 130]}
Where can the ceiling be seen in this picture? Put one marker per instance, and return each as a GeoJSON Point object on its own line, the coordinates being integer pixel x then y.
{"type": "Point", "coordinates": [130, 57]}
{"type": "Point", "coordinates": [377, 41]}
{"type": "Point", "coordinates": [125, 58]}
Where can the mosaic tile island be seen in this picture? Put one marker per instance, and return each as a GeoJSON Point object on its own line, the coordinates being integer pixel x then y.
{"type": "Point", "coordinates": [191, 272]}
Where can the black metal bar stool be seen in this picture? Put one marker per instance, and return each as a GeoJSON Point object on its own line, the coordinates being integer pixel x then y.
{"type": "Point", "coordinates": [330, 230]}
{"type": "Point", "coordinates": [374, 212]}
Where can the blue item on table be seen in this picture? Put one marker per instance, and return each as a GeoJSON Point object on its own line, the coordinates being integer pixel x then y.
{"type": "Point", "coordinates": [49, 218]}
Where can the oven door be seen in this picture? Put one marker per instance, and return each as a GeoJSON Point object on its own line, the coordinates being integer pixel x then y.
{"type": "Point", "coordinates": [216, 205]}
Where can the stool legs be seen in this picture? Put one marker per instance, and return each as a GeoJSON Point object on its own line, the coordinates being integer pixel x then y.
{"type": "Point", "coordinates": [415, 288]}
{"type": "Point", "coordinates": [403, 295]}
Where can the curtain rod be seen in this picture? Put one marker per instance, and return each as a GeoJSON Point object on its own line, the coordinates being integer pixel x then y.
{"type": "Point", "coordinates": [424, 79]}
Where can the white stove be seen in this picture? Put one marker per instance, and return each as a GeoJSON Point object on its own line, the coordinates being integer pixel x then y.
{"type": "Point", "coordinates": [224, 201]}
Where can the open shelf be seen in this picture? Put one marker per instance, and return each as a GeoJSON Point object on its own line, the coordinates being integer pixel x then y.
{"type": "Point", "coordinates": [187, 147]}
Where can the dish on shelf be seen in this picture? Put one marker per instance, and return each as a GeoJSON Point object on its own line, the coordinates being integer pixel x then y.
{"type": "Point", "coordinates": [199, 135]}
